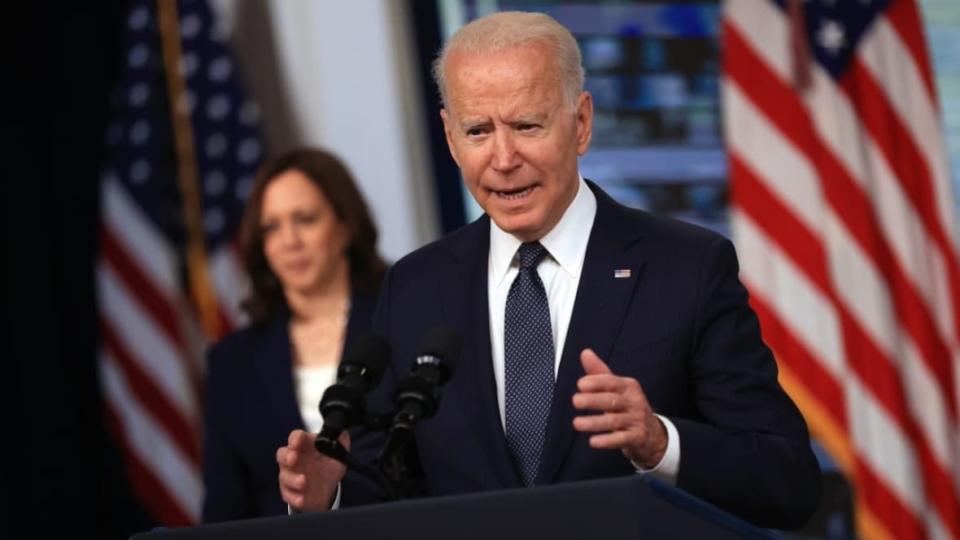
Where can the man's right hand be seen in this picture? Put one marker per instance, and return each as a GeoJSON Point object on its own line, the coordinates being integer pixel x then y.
{"type": "Point", "coordinates": [309, 479]}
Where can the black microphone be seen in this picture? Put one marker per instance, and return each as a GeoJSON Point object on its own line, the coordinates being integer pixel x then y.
{"type": "Point", "coordinates": [418, 395]}
{"type": "Point", "coordinates": [343, 404]}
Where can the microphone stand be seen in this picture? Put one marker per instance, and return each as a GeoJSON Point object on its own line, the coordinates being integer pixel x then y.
{"type": "Point", "coordinates": [389, 472]}
{"type": "Point", "coordinates": [418, 398]}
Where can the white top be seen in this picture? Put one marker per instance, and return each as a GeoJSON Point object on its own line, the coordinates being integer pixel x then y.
{"type": "Point", "coordinates": [566, 245]}
{"type": "Point", "coordinates": [309, 384]}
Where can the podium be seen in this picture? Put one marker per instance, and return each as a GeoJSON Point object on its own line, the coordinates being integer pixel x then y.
{"type": "Point", "coordinates": [635, 507]}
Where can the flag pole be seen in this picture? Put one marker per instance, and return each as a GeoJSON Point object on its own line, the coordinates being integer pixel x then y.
{"type": "Point", "coordinates": [201, 288]}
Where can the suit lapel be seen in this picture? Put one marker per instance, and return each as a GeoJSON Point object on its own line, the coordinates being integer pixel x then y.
{"type": "Point", "coordinates": [466, 307]}
{"type": "Point", "coordinates": [273, 358]}
{"type": "Point", "coordinates": [360, 319]}
{"type": "Point", "coordinates": [598, 313]}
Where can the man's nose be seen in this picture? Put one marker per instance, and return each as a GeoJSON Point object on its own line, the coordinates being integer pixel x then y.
{"type": "Point", "coordinates": [505, 156]}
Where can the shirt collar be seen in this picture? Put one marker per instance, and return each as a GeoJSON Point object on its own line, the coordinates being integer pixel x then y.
{"type": "Point", "coordinates": [566, 242]}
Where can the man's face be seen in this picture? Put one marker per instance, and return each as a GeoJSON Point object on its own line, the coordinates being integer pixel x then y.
{"type": "Point", "coordinates": [514, 137]}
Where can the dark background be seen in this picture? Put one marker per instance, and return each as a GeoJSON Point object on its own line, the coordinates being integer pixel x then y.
{"type": "Point", "coordinates": [62, 474]}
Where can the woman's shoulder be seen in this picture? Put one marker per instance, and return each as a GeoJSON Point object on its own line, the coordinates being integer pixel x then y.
{"type": "Point", "coordinates": [243, 343]}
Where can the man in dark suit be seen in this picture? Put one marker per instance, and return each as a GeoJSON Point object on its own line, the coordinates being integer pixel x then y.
{"type": "Point", "coordinates": [598, 340]}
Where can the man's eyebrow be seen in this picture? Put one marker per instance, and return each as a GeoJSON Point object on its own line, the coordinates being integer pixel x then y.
{"type": "Point", "coordinates": [472, 122]}
{"type": "Point", "coordinates": [535, 117]}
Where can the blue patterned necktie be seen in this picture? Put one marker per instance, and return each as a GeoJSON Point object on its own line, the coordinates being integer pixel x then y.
{"type": "Point", "coordinates": [528, 357]}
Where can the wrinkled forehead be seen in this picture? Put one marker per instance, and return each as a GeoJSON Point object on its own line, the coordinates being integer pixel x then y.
{"type": "Point", "coordinates": [510, 72]}
{"type": "Point", "coordinates": [533, 50]}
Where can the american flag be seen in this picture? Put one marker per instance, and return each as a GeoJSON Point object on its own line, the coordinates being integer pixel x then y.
{"type": "Point", "coordinates": [843, 216]}
{"type": "Point", "coordinates": [152, 339]}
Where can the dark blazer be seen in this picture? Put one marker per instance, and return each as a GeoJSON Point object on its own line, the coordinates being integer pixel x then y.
{"type": "Point", "coordinates": [680, 324]}
{"type": "Point", "coordinates": [250, 410]}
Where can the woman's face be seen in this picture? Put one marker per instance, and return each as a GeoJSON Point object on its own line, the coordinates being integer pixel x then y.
{"type": "Point", "coordinates": [304, 241]}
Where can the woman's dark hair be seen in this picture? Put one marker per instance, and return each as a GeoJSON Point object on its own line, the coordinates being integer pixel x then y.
{"type": "Point", "coordinates": [334, 180]}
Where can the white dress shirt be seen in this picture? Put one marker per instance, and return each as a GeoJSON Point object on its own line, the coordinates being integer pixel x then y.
{"type": "Point", "coordinates": [566, 245]}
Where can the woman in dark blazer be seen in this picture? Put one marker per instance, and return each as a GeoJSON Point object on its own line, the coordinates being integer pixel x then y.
{"type": "Point", "coordinates": [309, 247]}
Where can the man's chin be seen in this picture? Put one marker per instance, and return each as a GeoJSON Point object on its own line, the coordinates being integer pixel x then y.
{"type": "Point", "coordinates": [523, 227]}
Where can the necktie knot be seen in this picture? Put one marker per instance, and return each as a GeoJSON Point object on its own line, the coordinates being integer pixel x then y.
{"type": "Point", "coordinates": [530, 254]}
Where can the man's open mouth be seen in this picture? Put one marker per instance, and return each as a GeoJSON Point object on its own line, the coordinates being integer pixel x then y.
{"type": "Point", "coordinates": [512, 194]}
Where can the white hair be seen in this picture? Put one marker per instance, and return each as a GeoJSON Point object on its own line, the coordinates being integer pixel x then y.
{"type": "Point", "coordinates": [509, 29]}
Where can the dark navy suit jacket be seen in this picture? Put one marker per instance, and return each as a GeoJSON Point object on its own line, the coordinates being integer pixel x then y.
{"type": "Point", "coordinates": [250, 410]}
{"type": "Point", "coordinates": [680, 324]}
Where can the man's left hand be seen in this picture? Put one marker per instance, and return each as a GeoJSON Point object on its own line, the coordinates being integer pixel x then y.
{"type": "Point", "coordinates": [626, 421]}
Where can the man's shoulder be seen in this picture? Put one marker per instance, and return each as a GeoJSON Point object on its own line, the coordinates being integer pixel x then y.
{"type": "Point", "coordinates": [653, 228]}
{"type": "Point", "coordinates": [670, 229]}
{"type": "Point", "coordinates": [470, 240]}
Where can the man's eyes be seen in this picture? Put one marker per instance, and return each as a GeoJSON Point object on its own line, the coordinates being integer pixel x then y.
{"type": "Point", "coordinates": [476, 131]}
{"type": "Point", "coordinates": [482, 130]}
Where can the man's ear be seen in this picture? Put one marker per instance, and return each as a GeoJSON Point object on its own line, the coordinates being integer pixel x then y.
{"type": "Point", "coordinates": [584, 122]}
{"type": "Point", "coordinates": [445, 116]}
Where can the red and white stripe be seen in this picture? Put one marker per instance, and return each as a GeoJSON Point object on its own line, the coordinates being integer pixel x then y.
{"type": "Point", "coordinates": [151, 358]}
{"type": "Point", "coordinates": [843, 217]}
{"type": "Point", "coordinates": [230, 284]}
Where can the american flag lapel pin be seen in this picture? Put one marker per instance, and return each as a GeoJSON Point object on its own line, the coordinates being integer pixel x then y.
{"type": "Point", "coordinates": [621, 273]}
